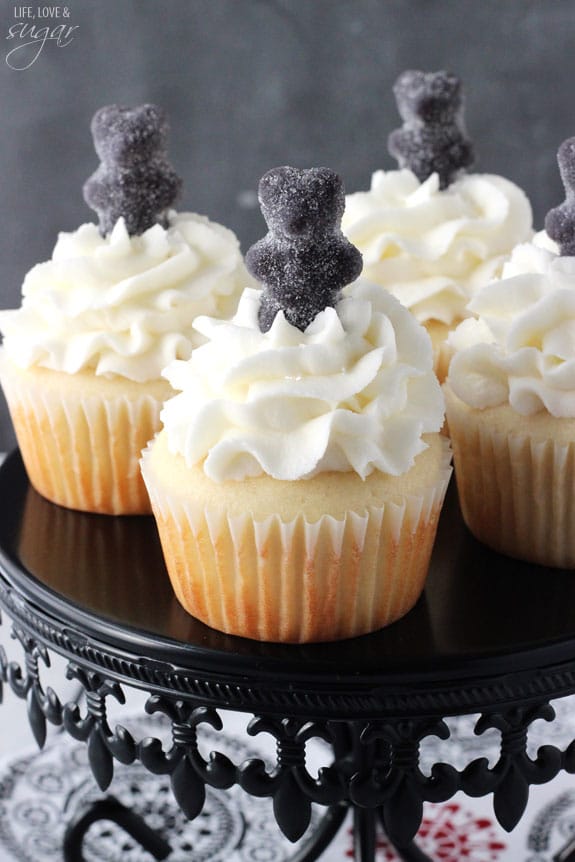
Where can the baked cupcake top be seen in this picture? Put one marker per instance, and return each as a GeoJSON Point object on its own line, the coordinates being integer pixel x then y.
{"type": "Point", "coordinates": [520, 348]}
{"type": "Point", "coordinates": [119, 298]}
{"type": "Point", "coordinates": [300, 380]}
{"type": "Point", "coordinates": [429, 232]}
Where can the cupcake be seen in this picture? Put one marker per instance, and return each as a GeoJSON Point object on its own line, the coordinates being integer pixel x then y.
{"type": "Point", "coordinates": [299, 475]}
{"type": "Point", "coordinates": [431, 233]}
{"type": "Point", "coordinates": [510, 398]}
{"type": "Point", "coordinates": [82, 357]}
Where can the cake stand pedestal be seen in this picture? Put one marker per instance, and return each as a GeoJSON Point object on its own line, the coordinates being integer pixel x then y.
{"type": "Point", "coordinates": [490, 636]}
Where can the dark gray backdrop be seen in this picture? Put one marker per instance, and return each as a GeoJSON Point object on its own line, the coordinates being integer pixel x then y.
{"type": "Point", "coordinates": [250, 84]}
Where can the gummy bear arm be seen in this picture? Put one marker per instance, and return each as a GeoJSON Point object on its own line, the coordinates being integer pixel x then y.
{"type": "Point", "coordinates": [462, 152]}
{"type": "Point", "coordinates": [165, 186]}
{"type": "Point", "coordinates": [95, 188]}
{"type": "Point", "coordinates": [394, 141]}
{"type": "Point", "coordinates": [348, 265]}
{"type": "Point", "coordinates": [356, 260]}
{"type": "Point", "coordinates": [257, 259]}
{"type": "Point", "coordinates": [560, 225]}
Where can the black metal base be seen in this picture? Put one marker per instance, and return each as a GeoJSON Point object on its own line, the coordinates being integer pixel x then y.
{"type": "Point", "coordinates": [330, 825]}
{"type": "Point", "coordinates": [109, 808]}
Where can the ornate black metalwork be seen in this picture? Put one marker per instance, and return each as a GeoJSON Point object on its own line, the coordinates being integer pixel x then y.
{"type": "Point", "coordinates": [111, 809]}
{"type": "Point", "coordinates": [375, 767]}
{"type": "Point", "coordinates": [569, 759]}
{"type": "Point", "coordinates": [189, 772]}
{"type": "Point", "coordinates": [103, 744]}
{"type": "Point", "coordinates": [509, 780]}
{"type": "Point", "coordinates": [389, 776]}
{"type": "Point", "coordinates": [288, 782]}
{"type": "Point", "coordinates": [3, 666]}
{"type": "Point", "coordinates": [42, 705]}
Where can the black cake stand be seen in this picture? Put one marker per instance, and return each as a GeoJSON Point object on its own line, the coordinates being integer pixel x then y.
{"type": "Point", "coordinates": [490, 636]}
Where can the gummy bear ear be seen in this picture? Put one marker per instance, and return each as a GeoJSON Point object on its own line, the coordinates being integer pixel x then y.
{"type": "Point", "coordinates": [272, 186]}
{"type": "Point", "coordinates": [146, 128]}
{"type": "Point", "coordinates": [103, 122]}
{"type": "Point", "coordinates": [560, 221]}
{"type": "Point", "coordinates": [428, 96]}
{"type": "Point", "coordinates": [327, 189]}
{"type": "Point", "coordinates": [566, 161]}
{"type": "Point", "coordinates": [406, 90]}
{"type": "Point", "coordinates": [128, 133]}
{"type": "Point", "coordinates": [442, 102]}
{"type": "Point", "coordinates": [298, 202]}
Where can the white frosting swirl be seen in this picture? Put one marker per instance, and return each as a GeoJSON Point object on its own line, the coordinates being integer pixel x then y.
{"type": "Point", "coordinates": [122, 305]}
{"type": "Point", "coordinates": [355, 391]}
{"type": "Point", "coordinates": [434, 248]}
{"type": "Point", "coordinates": [521, 347]}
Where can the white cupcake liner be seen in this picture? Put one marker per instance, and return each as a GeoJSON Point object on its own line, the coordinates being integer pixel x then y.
{"type": "Point", "coordinates": [522, 501]}
{"type": "Point", "coordinates": [82, 452]}
{"type": "Point", "coordinates": [298, 581]}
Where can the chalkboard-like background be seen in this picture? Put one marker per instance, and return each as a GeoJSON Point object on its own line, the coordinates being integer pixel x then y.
{"type": "Point", "coordinates": [250, 84]}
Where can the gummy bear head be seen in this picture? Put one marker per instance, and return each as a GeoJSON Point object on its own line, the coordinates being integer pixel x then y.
{"type": "Point", "coordinates": [126, 136]}
{"type": "Point", "coordinates": [431, 97]}
{"type": "Point", "coordinates": [297, 203]}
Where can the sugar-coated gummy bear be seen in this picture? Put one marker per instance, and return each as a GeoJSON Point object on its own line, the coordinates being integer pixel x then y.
{"type": "Point", "coordinates": [560, 221]}
{"type": "Point", "coordinates": [432, 138]}
{"type": "Point", "coordinates": [304, 260]}
{"type": "Point", "coordinates": [134, 180]}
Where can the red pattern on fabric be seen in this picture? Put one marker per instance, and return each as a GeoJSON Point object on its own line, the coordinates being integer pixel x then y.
{"type": "Point", "coordinates": [450, 833]}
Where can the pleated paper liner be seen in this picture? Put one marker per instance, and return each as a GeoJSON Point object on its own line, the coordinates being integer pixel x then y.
{"type": "Point", "coordinates": [516, 487]}
{"type": "Point", "coordinates": [81, 436]}
{"type": "Point", "coordinates": [298, 581]}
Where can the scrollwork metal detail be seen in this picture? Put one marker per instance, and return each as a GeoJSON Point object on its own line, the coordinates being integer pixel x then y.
{"type": "Point", "coordinates": [103, 744]}
{"type": "Point", "coordinates": [288, 782]}
{"type": "Point", "coordinates": [189, 772]}
{"type": "Point", "coordinates": [511, 777]}
{"type": "Point", "coordinates": [389, 775]}
{"type": "Point", "coordinates": [42, 704]}
{"type": "Point", "coordinates": [569, 759]}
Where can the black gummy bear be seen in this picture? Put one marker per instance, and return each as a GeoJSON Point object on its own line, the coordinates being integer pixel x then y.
{"type": "Point", "coordinates": [304, 260]}
{"type": "Point", "coordinates": [432, 138]}
{"type": "Point", "coordinates": [560, 221]}
{"type": "Point", "coordinates": [134, 180]}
